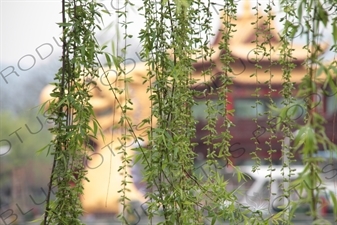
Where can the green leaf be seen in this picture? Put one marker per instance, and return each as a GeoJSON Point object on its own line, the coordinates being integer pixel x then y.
{"type": "Point", "coordinates": [95, 128]}
{"type": "Point", "coordinates": [64, 24]}
{"type": "Point", "coordinates": [334, 32]}
{"type": "Point", "coordinates": [334, 201]}
{"type": "Point", "coordinates": [322, 14]}
{"type": "Point", "coordinates": [108, 59]}
{"type": "Point", "coordinates": [43, 148]}
{"type": "Point", "coordinates": [213, 220]}
{"type": "Point", "coordinates": [299, 11]}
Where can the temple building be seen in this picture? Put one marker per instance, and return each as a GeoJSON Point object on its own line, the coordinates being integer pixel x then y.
{"type": "Point", "coordinates": [256, 71]}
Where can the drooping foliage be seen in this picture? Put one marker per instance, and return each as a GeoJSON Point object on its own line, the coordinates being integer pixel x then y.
{"type": "Point", "coordinates": [175, 37]}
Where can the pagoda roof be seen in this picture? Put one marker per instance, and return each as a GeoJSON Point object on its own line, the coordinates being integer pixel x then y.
{"type": "Point", "coordinates": [248, 49]}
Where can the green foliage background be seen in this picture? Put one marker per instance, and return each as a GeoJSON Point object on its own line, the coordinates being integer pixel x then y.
{"type": "Point", "coordinates": [24, 156]}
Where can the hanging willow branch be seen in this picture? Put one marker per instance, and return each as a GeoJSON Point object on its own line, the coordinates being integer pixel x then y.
{"type": "Point", "coordinates": [71, 111]}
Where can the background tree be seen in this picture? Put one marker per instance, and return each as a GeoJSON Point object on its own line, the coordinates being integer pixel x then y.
{"type": "Point", "coordinates": [23, 168]}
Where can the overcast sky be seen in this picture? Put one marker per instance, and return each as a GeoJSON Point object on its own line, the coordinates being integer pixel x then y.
{"type": "Point", "coordinates": [28, 42]}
